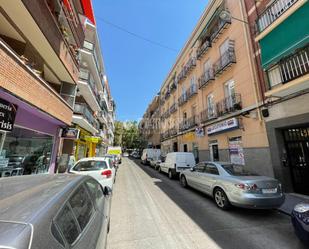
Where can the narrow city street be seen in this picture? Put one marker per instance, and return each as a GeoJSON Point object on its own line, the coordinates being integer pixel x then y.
{"type": "Point", "coordinates": [151, 211]}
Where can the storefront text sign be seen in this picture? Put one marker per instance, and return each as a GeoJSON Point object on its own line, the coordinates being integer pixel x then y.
{"type": "Point", "coordinates": [223, 126]}
{"type": "Point", "coordinates": [199, 132]}
{"type": "Point", "coordinates": [7, 115]}
{"type": "Point", "coordinates": [237, 152]}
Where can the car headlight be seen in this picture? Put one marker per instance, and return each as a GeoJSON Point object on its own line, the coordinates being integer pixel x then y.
{"type": "Point", "coordinates": [302, 208]}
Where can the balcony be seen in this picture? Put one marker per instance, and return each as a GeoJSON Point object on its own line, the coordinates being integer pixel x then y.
{"type": "Point", "coordinates": [167, 95]}
{"type": "Point", "coordinates": [173, 86]}
{"type": "Point", "coordinates": [219, 28]}
{"type": "Point", "coordinates": [208, 114]}
{"type": "Point", "coordinates": [226, 60]}
{"type": "Point", "coordinates": [89, 55]}
{"type": "Point", "coordinates": [206, 78]}
{"type": "Point", "coordinates": [183, 99]}
{"type": "Point", "coordinates": [84, 118]}
{"type": "Point", "coordinates": [273, 12]}
{"type": "Point", "coordinates": [166, 114]}
{"type": "Point", "coordinates": [188, 123]}
{"type": "Point", "coordinates": [192, 90]}
{"type": "Point", "coordinates": [203, 49]}
{"type": "Point", "coordinates": [181, 76]}
{"type": "Point", "coordinates": [89, 90]}
{"type": "Point", "coordinates": [190, 65]}
{"type": "Point", "coordinates": [229, 104]}
{"type": "Point", "coordinates": [288, 69]}
{"type": "Point", "coordinates": [173, 108]}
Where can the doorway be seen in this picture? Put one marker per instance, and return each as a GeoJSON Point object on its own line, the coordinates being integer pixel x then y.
{"type": "Point", "coordinates": [185, 148]}
{"type": "Point", "coordinates": [214, 152]}
{"type": "Point", "coordinates": [297, 147]}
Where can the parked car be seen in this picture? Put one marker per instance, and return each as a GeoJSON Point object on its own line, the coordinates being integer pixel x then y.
{"type": "Point", "coordinates": [135, 155]}
{"type": "Point", "coordinates": [150, 154]}
{"type": "Point", "coordinates": [125, 154]}
{"type": "Point", "coordinates": [300, 221]}
{"type": "Point", "coordinates": [114, 160]}
{"type": "Point", "coordinates": [229, 184]}
{"type": "Point", "coordinates": [53, 211]}
{"type": "Point", "coordinates": [100, 168]}
{"type": "Point", "coordinates": [176, 162]}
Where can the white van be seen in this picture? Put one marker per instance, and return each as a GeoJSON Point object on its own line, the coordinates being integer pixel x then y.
{"type": "Point", "coordinates": [176, 162]}
{"type": "Point", "coordinates": [149, 155]}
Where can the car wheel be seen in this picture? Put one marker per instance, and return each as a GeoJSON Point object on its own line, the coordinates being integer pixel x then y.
{"type": "Point", "coordinates": [221, 199]}
{"type": "Point", "coordinates": [170, 174]}
{"type": "Point", "coordinates": [183, 181]}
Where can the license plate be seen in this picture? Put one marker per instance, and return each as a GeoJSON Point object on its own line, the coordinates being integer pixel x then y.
{"type": "Point", "coordinates": [269, 191]}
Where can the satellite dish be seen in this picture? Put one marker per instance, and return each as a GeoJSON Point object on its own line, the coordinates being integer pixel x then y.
{"type": "Point", "coordinates": [225, 15]}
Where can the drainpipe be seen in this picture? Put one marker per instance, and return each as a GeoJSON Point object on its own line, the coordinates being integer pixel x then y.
{"type": "Point", "coordinates": [251, 62]}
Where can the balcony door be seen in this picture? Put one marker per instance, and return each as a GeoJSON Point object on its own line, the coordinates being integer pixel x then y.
{"type": "Point", "coordinates": [224, 47]}
{"type": "Point", "coordinates": [207, 66]}
{"type": "Point", "coordinates": [210, 106]}
{"type": "Point", "coordinates": [229, 92]}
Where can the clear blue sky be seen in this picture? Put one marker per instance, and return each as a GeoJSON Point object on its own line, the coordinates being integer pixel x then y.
{"type": "Point", "coordinates": [136, 68]}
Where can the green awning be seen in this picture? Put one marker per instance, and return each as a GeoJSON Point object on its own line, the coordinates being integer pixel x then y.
{"type": "Point", "coordinates": [291, 34]}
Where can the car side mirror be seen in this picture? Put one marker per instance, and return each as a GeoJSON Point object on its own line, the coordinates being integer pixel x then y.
{"type": "Point", "coordinates": [107, 191]}
{"type": "Point", "coordinates": [192, 169]}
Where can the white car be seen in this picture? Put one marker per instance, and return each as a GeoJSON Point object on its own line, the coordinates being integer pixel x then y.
{"type": "Point", "coordinates": [176, 162]}
{"type": "Point", "coordinates": [100, 168]}
{"type": "Point", "coordinates": [150, 154]}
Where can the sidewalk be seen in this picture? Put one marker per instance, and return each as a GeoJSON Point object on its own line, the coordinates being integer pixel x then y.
{"type": "Point", "coordinates": [291, 199]}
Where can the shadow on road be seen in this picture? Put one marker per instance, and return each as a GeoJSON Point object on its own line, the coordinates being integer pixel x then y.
{"type": "Point", "coordinates": [236, 228]}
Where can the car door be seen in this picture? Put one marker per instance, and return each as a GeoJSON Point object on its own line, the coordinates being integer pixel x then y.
{"type": "Point", "coordinates": [209, 177]}
{"type": "Point", "coordinates": [194, 178]}
{"type": "Point", "coordinates": [102, 204]}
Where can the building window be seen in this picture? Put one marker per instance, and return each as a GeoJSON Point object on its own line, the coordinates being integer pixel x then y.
{"type": "Point", "coordinates": [229, 92]}
{"type": "Point", "coordinates": [211, 106]}
{"type": "Point", "coordinates": [25, 152]}
{"type": "Point", "coordinates": [274, 76]}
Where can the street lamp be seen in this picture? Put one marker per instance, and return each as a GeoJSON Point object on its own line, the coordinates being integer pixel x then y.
{"type": "Point", "coordinates": [226, 15]}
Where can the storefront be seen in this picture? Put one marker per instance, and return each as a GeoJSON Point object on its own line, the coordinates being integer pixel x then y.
{"type": "Point", "coordinates": [29, 138]}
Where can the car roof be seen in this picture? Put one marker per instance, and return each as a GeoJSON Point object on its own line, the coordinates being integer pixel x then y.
{"type": "Point", "coordinates": [23, 198]}
{"type": "Point", "coordinates": [103, 158]}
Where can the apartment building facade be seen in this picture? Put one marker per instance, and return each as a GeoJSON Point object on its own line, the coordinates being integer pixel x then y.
{"type": "Point", "coordinates": [210, 101]}
{"type": "Point", "coordinates": [280, 38]}
{"type": "Point", "coordinates": [150, 124]}
{"type": "Point", "coordinates": [38, 75]}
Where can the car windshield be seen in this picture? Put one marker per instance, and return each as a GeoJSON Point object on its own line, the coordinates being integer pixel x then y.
{"type": "Point", "coordinates": [90, 165]}
{"type": "Point", "coordinates": [237, 170]}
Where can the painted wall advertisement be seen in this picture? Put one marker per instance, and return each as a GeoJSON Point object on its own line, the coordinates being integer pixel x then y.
{"type": "Point", "coordinates": [236, 152]}
{"type": "Point", "coordinates": [7, 115]}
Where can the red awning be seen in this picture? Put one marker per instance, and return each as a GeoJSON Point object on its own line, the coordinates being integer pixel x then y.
{"type": "Point", "coordinates": [88, 10]}
{"type": "Point", "coordinates": [67, 4]}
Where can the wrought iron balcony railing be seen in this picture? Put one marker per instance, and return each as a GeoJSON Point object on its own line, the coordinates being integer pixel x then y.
{"type": "Point", "coordinates": [219, 28]}
{"type": "Point", "coordinates": [192, 90]}
{"type": "Point", "coordinates": [82, 109]}
{"type": "Point", "coordinates": [289, 68]}
{"type": "Point", "coordinates": [208, 114]}
{"type": "Point", "coordinates": [188, 123]}
{"type": "Point", "coordinates": [226, 60]}
{"type": "Point", "coordinates": [273, 12]}
{"type": "Point", "coordinates": [206, 77]}
{"type": "Point", "coordinates": [182, 99]}
{"type": "Point", "coordinates": [173, 108]}
{"type": "Point", "coordinates": [229, 104]}
{"type": "Point", "coordinates": [203, 49]}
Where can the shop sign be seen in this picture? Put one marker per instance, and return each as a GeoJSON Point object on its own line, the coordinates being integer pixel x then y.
{"type": "Point", "coordinates": [236, 152]}
{"type": "Point", "coordinates": [7, 115]}
{"type": "Point", "coordinates": [226, 125]}
{"type": "Point", "coordinates": [189, 137]}
{"type": "Point", "coordinates": [200, 132]}
{"type": "Point", "coordinates": [70, 133]}
{"type": "Point", "coordinates": [92, 139]}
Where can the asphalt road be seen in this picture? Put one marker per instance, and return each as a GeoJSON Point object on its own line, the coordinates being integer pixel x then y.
{"type": "Point", "coordinates": [151, 211]}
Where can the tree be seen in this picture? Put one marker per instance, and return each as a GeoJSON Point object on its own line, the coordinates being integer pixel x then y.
{"type": "Point", "coordinates": [127, 135]}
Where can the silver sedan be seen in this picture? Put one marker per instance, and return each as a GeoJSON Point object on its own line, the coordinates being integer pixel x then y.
{"type": "Point", "coordinates": [230, 185]}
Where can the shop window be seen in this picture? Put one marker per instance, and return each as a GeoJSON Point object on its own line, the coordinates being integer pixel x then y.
{"type": "Point", "coordinates": [25, 152]}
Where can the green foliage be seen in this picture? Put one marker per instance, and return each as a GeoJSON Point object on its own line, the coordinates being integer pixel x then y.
{"type": "Point", "coordinates": [127, 135]}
